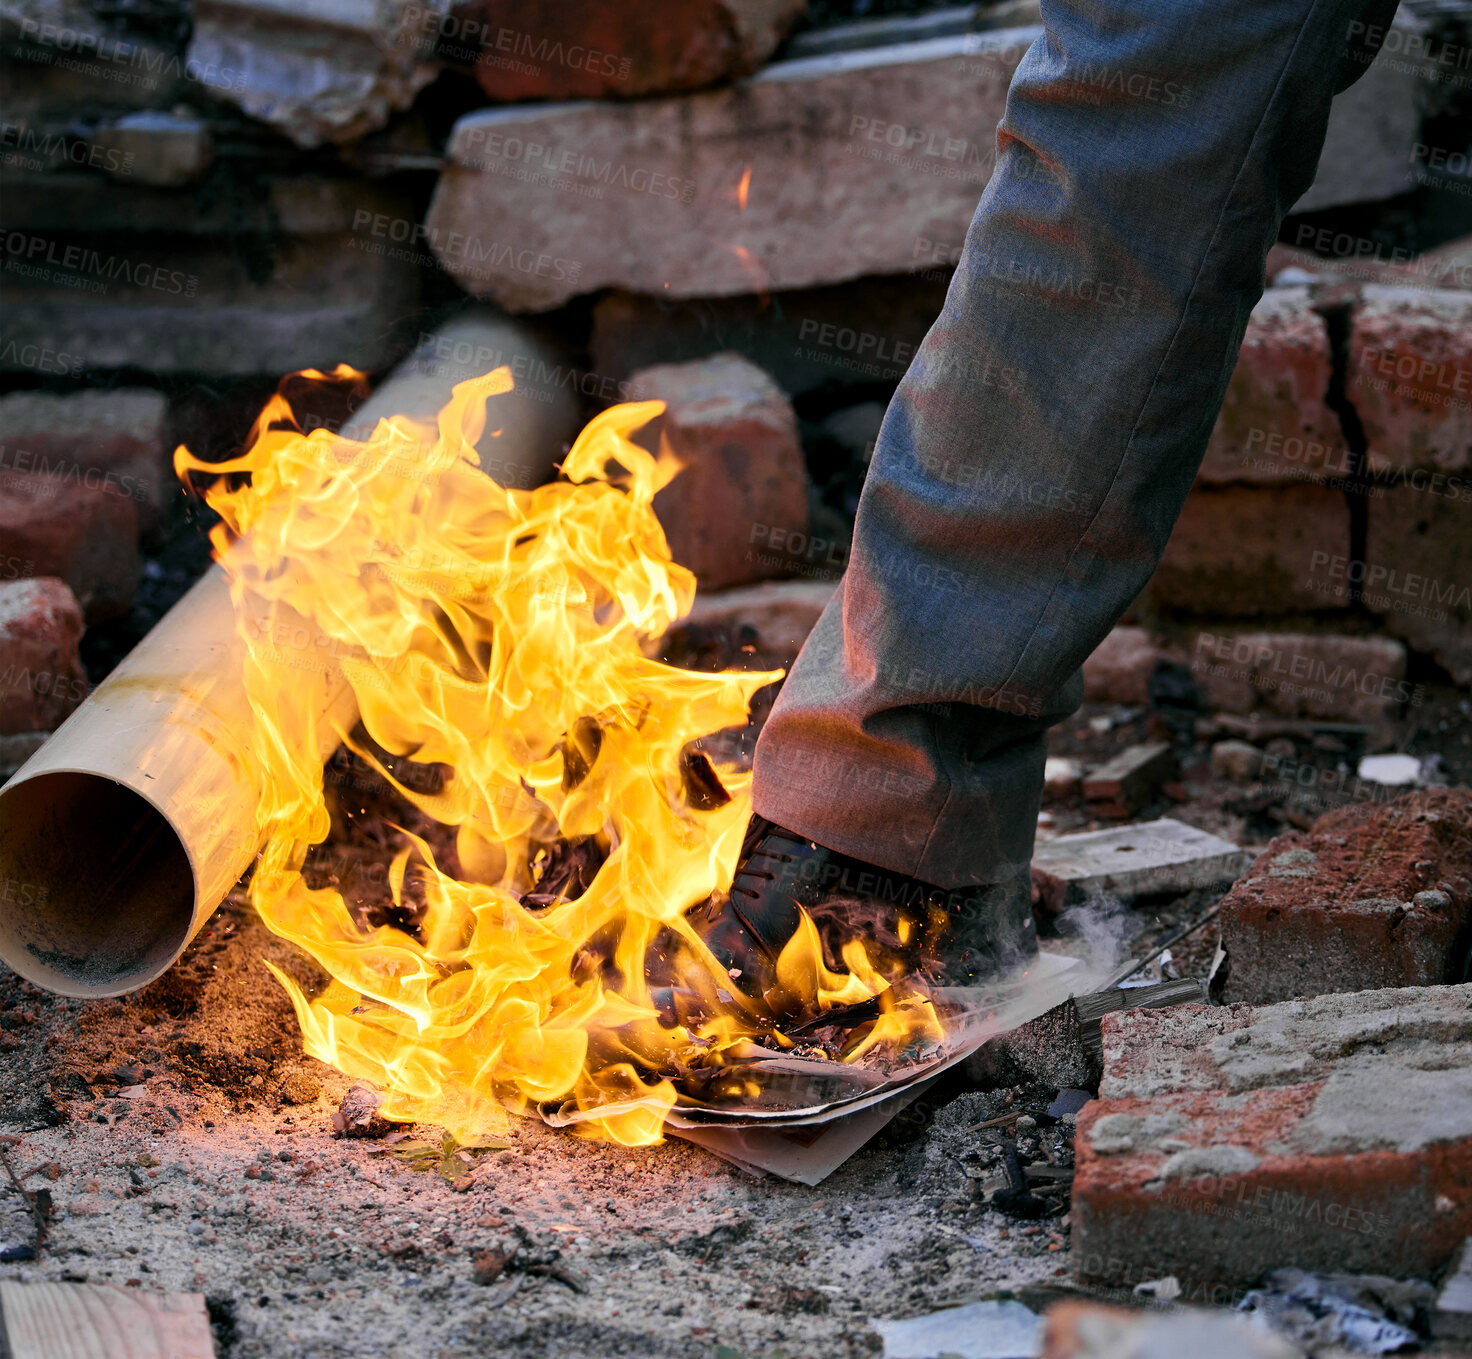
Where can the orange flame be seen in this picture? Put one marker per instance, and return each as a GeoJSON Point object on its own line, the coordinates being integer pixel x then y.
{"type": "Point", "coordinates": [743, 189]}
{"type": "Point", "coordinates": [483, 629]}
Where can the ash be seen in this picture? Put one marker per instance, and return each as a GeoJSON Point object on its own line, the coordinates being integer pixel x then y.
{"type": "Point", "coordinates": [221, 1175]}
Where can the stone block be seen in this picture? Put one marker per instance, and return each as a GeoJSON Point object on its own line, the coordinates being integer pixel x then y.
{"type": "Point", "coordinates": [595, 49]}
{"type": "Point", "coordinates": [1275, 426]}
{"type": "Point", "coordinates": [315, 70]}
{"type": "Point", "coordinates": [153, 147]}
{"type": "Point", "coordinates": [115, 439]}
{"type": "Point", "coordinates": [283, 205]}
{"type": "Point", "coordinates": [1245, 551]}
{"type": "Point", "coordinates": [1410, 380]}
{"type": "Point", "coordinates": [1155, 858]}
{"type": "Point", "coordinates": [199, 308]}
{"type": "Point", "coordinates": [742, 490]}
{"type": "Point", "coordinates": [848, 164]}
{"type": "Point", "coordinates": [83, 534]}
{"type": "Point", "coordinates": [41, 675]}
{"type": "Point", "coordinates": [1373, 896]}
{"type": "Point", "coordinates": [1417, 574]}
{"type": "Point", "coordinates": [1332, 1134]}
{"type": "Point", "coordinates": [1323, 675]}
{"type": "Point", "coordinates": [811, 339]}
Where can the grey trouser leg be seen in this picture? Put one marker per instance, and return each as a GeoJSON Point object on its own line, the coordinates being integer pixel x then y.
{"type": "Point", "coordinates": [1038, 451]}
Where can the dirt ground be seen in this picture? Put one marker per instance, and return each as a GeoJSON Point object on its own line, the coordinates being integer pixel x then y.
{"type": "Point", "coordinates": [186, 1144]}
{"type": "Point", "coordinates": [212, 1180]}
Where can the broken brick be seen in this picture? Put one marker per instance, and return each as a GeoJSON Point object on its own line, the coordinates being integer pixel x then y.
{"type": "Point", "coordinates": [1374, 895]}
{"type": "Point", "coordinates": [1410, 356]}
{"type": "Point", "coordinates": [83, 534]}
{"type": "Point", "coordinates": [1132, 778]}
{"type": "Point", "coordinates": [1274, 424]}
{"type": "Point", "coordinates": [41, 675]}
{"type": "Point", "coordinates": [1330, 1133]}
{"type": "Point", "coordinates": [1241, 551]}
{"type": "Point", "coordinates": [1119, 668]}
{"type": "Point", "coordinates": [737, 511]}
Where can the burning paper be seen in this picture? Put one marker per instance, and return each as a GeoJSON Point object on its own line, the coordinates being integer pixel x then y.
{"type": "Point", "coordinates": [496, 639]}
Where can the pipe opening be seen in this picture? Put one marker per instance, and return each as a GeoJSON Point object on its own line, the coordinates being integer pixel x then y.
{"type": "Point", "coordinates": [96, 890]}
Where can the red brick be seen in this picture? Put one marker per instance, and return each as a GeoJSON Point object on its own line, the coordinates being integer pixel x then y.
{"type": "Point", "coordinates": [632, 48]}
{"type": "Point", "coordinates": [1342, 679]}
{"type": "Point", "coordinates": [732, 512]}
{"type": "Point", "coordinates": [41, 675]}
{"type": "Point", "coordinates": [85, 535]}
{"type": "Point", "coordinates": [1374, 895]}
{"type": "Point", "coordinates": [116, 440]}
{"type": "Point", "coordinates": [1274, 424]}
{"type": "Point", "coordinates": [1418, 559]}
{"type": "Point", "coordinates": [1328, 1134]}
{"type": "Point", "coordinates": [1410, 378]}
{"type": "Point", "coordinates": [1120, 668]}
{"type": "Point", "coordinates": [1243, 551]}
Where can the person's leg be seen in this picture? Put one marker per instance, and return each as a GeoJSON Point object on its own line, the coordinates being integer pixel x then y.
{"type": "Point", "coordinates": [1039, 449]}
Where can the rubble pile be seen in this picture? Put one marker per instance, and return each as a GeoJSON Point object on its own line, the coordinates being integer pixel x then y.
{"type": "Point", "coordinates": [749, 210]}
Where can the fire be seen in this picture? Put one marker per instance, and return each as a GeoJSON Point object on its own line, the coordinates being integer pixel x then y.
{"type": "Point", "coordinates": [500, 635]}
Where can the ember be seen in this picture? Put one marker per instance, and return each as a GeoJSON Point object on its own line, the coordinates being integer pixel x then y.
{"type": "Point", "coordinates": [562, 823]}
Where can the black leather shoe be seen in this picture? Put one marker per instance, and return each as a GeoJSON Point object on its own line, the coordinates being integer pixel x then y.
{"type": "Point", "coordinates": [909, 928]}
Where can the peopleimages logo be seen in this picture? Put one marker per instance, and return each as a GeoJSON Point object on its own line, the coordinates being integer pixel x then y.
{"type": "Point", "coordinates": [1406, 584]}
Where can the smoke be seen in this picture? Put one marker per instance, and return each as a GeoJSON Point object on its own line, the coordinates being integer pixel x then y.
{"type": "Point", "coordinates": [1102, 924]}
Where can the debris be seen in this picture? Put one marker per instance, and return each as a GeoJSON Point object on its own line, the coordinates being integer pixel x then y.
{"type": "Point", "coordinates": [765, 624]}
{"type": "Point", "coordinates": [1130, 780]}
{"type": "Point", "coordinates": [1061, 776]}
{"type": "Point", "coordinates": [1161, 950]}
{"type": "Point", "coordinates": [1364, 1314]}
{"type": "Point", "coordinates": [1391, 771]}
{"type": "Point", "coordinates": [1167, 1289]}
{"type": "Point", "coordinates": [1239, 761]}
{"type": "Point", "coordinates": [487, 1265]}
{"type": "Point", "coordinates": [301, 1087]}
{"type": "Point", "coordinates": [1048, 1050]}
{"type": "Point", "coordinates": [1090, 1330]}
{"type": "Point", "coordinates": [358, 1116]}
{"type": "Point", "coordinates": [1129, 862]}
{"type": "Point", "coordinates": [1452, 1319]}
{"type": "Point", "coordinates": [1068, 1102]}
{"type": "Point", "coordinates": [979, 1330]}
{"type": "Point", "coordinates": [97, 1321]}
{"type": "Point", "coordinates": [1374, 895]}
{"type": "Point", "coordinates": [1331, 1131]}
